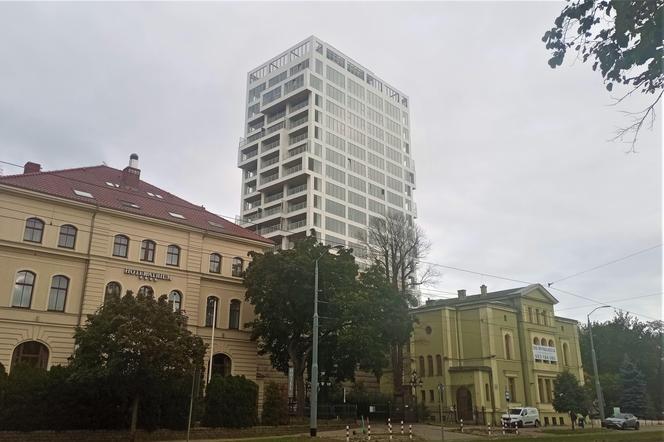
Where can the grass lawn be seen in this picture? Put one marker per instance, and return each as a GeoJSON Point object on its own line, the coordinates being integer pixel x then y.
{"type": "Point", "coordinates": [594, 435]}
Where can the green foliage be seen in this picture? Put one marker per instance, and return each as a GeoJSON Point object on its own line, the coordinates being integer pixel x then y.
{"type": "Point", "coordinates": [569, 395]}
{"type": "Point", "coordinates": [275, 405]}
{"type": "Point", "coordinates": [359, 317]}
{"type": "Point", "coordinates": [621, 37]}
{"type": "Point", "coordinates": [633, 398]}
{"type": "Point", "coordinates": [135, 345]}
{"type": "Point", "coordinates": [620, 336]}
{"type": "Point", "coordinates": [364, 398]}
{"type": "Point", "coordinates": [231, 401]}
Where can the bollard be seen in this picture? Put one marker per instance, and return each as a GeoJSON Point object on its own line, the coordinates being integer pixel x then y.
{"type": "Point", "coordinates": [462, 425]}
{"type": "Point", "coordinates": [389, 426]}
{"type": "Point", "coordinates": [347, 433]}
{"type": "Point", "coordinates": [410, 432]}
{"type": "Point", "coordinates": [503, 428]}
{"type": "Point", "coordinates": [402, 428]}
{"type": "Point", "coordinates": [489, 429]}
{"type": "Point", "coordinates": [368, 432]}
{"type": "Point", "coordinates": [516, 429]}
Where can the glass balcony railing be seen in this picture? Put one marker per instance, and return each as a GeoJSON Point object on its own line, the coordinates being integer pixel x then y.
{"type": "Point", "coordinates": [298, 138]}
{"type": "Point", "coordinates": [274, 197]}
{"type": "Point", "coordinates": [269, 178]}
{"type": "Point", "coordinates": [269, 162]}
{"type": "Point", "coordinates": [297, 224]}
{"type": "Point", "coordinates": [275, 128]}
{"type": "Point", "coordinates": [272, 210]}
{"type": "Point", "coordinates": [246, 155]}
{"type": "Point", "coordinates": [298, 150]}
{"type": "Point", "coordinates": [298, 106]}
{"type": "Point", "coordinates": [276, 116]}
{"type": "Point", "coordinates": [293, 169]}
{"type": "Point", "coordinates": [298, 122]}
{"type": "Point", "coordinates": [297, 189]}
{"type": "Point", "coordinates": [298, 206]}
{"type": "Point", "coordinates": [269, 146]}
{"type": "Point", "coordinates": [270, 229]}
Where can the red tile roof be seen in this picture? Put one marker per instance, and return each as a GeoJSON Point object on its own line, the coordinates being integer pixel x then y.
{"type": "Point", "coordinates": [95, 179]}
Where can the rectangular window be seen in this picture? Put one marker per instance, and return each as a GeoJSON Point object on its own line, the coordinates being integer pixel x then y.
{"type": "Point", "coordinates": [374, 100]}
{"type": "Point", "coordinates": [393, 141]}
{"type": "Point", "coordinates": [376, 191]}
{"type": "Point", "coordinates": [331, 55]}
{"type": "Point", "coordinates": [336, 77]}
{"type": "Point", "coordinates": [335, 174]}
{"type": "Point", "coordinates": [394, 184]}
{"type": "Point", "coordinates": [357, 199]}
{"type": "Point", "coordinates": [335, 225]}
{"type": "Point", "coordinates": [393, 126]}
{"type": "Point", "coordinates": [335, 191]}
{"type": "Point", "coordinates": [375, 175]}
{"type": "Point", "coordinates": [356, 136]}
{"type": "Point", "coordinates": [272, 95]}
{"type": "Point", "coordinates": [375, 145]}
{"type": "Point", "coordinates": [315, 165]}
{"type": "Point", "coordinates": [319, 67]}
{"type": "Point", "coordinates": [255, 93]}
{"type": "Point", "coordinates": [335, 141]}
{"type": "Point", "coordinates": [393, 169]}
{"type": "Point", "coordinates": [355, 121]}
{"type": "Point", "coordinates": [277, 79]}
{"type": "Point", "coordinates": [357, 233]}
{"type": "Point", "coordinates": [355, 89]}
{"type": "Point", "coordinates": [375, 116]}
{"type": "Point", "coordinates": [357, 183]}
{"type": "Point", "coordinates": [511, 382]}
{"type": "Point", "coordinates": [355, 105]}
{"type": "Point", "coordinates": [315, 82]}
{"type": "Point", "coordinates": [357, 216]}
{"type": "Point", "coordinates": [356, 151]}
{"type": "Point", "coordinates": [392, 111]}
{"type": "Point", "coordinates": [335, 157]}
{"type": "Point", "coordinates": [335, 125]}
{"type": "Point", "coordinates": [393, 155]}
{"type": "Point", "coordinates": [376, 207]}
{"type": "Point", "coordinates": [335, 208]}
{"type": "Point", "coordinates": [318, 100]}
{"type": "Point", "coordinates": [357, 167]}
{"type": "Point", "coordinates": [336, 94]}
{"type": "Point", "coordinates": [359, 73]}
{"type": "Point", "coordinates": [395, 199]}
{"type": "Point", "coordinates": [375, 131]}
{"type": "Point", "coordinates": [335, 110]}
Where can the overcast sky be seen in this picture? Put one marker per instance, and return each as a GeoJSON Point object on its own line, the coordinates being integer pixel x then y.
{"type": "Point", "coordinates": [515, 176]}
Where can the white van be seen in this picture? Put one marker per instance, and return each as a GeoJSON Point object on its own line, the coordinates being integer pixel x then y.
{"type": "Point", "coordinates": [522, 417]}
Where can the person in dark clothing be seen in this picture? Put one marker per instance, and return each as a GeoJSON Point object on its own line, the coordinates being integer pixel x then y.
{"type": "Point", "coordinates": [572, 416]}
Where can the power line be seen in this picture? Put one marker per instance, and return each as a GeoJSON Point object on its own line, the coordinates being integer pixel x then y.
{"type": "Point", "coordinates": [605, 264]}
{"type": "Point", "coordinates": [612, 300]}
{"type": "Point", "coordinates": [11, 164]}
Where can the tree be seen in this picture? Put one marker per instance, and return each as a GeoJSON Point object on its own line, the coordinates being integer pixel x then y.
{"type": "Point", "coordinates": [134, 344]}
{"type": "Point", "coordinates": [231, 401]}
{"type": "Point", "coordinates": [354, 312]}
{"type": "Point", "coordinates": [396, 248]}
{"type": "Point", "coordinates": [275, 405]}
{"type": "Point", "coordinates": [569, 395]}
{"type": "Point", "coordinates": [626, 335]}
{"type": "Point", "coordinates": [621, 37]}
{"type": "Point", "coordinates": [633, 398]}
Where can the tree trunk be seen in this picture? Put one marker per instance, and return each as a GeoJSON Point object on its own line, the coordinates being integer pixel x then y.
{"type": "Point", "coordinates": [298, 375]}
{"type": "Point", "coordinates": [396, 354]}
{"type": "Point", "coordinates": [134, 417]}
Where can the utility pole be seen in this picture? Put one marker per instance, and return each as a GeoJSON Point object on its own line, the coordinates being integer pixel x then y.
{"type": "Point", "coordinates": [313, 405]}
{"type": "Point", "coordinates": [441, 390]}
{"type": "Point", "coordinates": [598, 387]}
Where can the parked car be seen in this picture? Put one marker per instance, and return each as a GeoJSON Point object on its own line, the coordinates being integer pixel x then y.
{"type": "Point", "coordinates": [522, 417]}
{"type": "Point", "coordinates": [621, 421]}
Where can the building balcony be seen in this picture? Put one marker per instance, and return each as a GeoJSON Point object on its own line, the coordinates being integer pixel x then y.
{"type": "Point", "coordinates": [292, 191]}
{"type": "Point", "coordinates": [269, 178]}
{"type": "Point", "coordinates": [273, 197]}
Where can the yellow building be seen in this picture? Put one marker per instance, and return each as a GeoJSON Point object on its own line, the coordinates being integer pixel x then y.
{"type": "Point", "coordinates": [479, 347]}
{"type": "Point", "coordinates": [69, 237]}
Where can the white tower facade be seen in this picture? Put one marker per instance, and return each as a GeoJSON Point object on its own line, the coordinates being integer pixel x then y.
{"type": "Point", "coordinates": [326, 146]}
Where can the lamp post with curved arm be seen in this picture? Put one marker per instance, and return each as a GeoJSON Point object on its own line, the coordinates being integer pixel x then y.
{"type": "Point", "coordinates": [598, 387]}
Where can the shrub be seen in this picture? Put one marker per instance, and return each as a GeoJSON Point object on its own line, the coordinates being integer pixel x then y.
{"type": "Point", "coordinates": [275, 405]}
{"type": "Point", "coordinates": [231, 401]}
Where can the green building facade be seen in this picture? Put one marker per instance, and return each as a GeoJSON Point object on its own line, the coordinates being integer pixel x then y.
{"type": "Point", "coordinates": [479, 347]}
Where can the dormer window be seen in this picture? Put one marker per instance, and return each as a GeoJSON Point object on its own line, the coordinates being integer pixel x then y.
{"type": "Point", "coordinates": [176, 215]}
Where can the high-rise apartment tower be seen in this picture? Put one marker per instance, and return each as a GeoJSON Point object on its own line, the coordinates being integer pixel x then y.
{"type": "Point", "coordinates": [326, 146]}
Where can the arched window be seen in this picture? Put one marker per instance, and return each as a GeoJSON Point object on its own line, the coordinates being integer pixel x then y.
{"type": "Point", "coordinates": [147, 250]}
{"type": "Point", "coordinates": [215, 263]}
{"type": "Point", "coordinates": [543, 344]}
{"type": "Point", "coordinates": [34, 230]}
{"type": "Point", "coordinates": [58, 294]}
{"type": "Point", "coordinates": [429, 365]}
{"type": "Point", "coordinates": [536, 341]}
{"type": "Point", "coordinates": [565, 354]}
{"type": "Point", "coordinates": [145, 290]}
{"type": "Point", "coordinates": [237, 268]}
{"type": "Point", "coordinates": [421, 361]}
{"type": "Point", "coordinates": [211, 311]}
{"type": "Point", "coordinates": [439, 365]}
{"type": "Point", "coordinates": [24, 285]}
{"type": "Point", "coordinates": [508, 346]}
{"type": "Point", "coordinates": [32, 353]}
{"type": "Point", "coordinates": [120, 246]}
{"type": "Point", "coordinates": [113, 289]}
{"type": "Point", "coordinates": [173, 255]}
{"type": "Point", "coordinates": [551, 344]}
{"type": "Point", "coordinates": [221, 365]}
{"type": "Point", "coordinates": [67, 238]}
{"type": "Point", "coordinates": [234, 315]}
{"type": "Point", "coordinates": [176, 298]}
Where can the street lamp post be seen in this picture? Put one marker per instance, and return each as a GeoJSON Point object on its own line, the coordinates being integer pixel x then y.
{"type": "Point", "coordinates": [313, 405]}
{"type": "Point", "coordinates": [598, 387]}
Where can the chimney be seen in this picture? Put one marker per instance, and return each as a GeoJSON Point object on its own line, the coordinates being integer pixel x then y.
{"type": "Point", "coordinates": [31, 167]}
{"type": "Point", "coordinates": [462, 293]}
{"type": "Point", "coordinates": [131, 174]}
{"type": "Point", "coordinates": [483, 289]}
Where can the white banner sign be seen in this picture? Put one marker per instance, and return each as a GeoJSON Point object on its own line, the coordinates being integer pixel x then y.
{"type": "Point", "coordinates": [291, 382]}
{"type": "Point", "coordinates": [545, 353]}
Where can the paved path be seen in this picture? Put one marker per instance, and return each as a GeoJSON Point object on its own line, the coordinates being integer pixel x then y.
{"type": "Point", "coordinates": [424, 431]}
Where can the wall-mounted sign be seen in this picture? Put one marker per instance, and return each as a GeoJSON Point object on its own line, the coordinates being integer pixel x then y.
{"type": "Point", "coordinates": [545, 353]}
{"type": "Point", "coordinates": [148, 276]}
